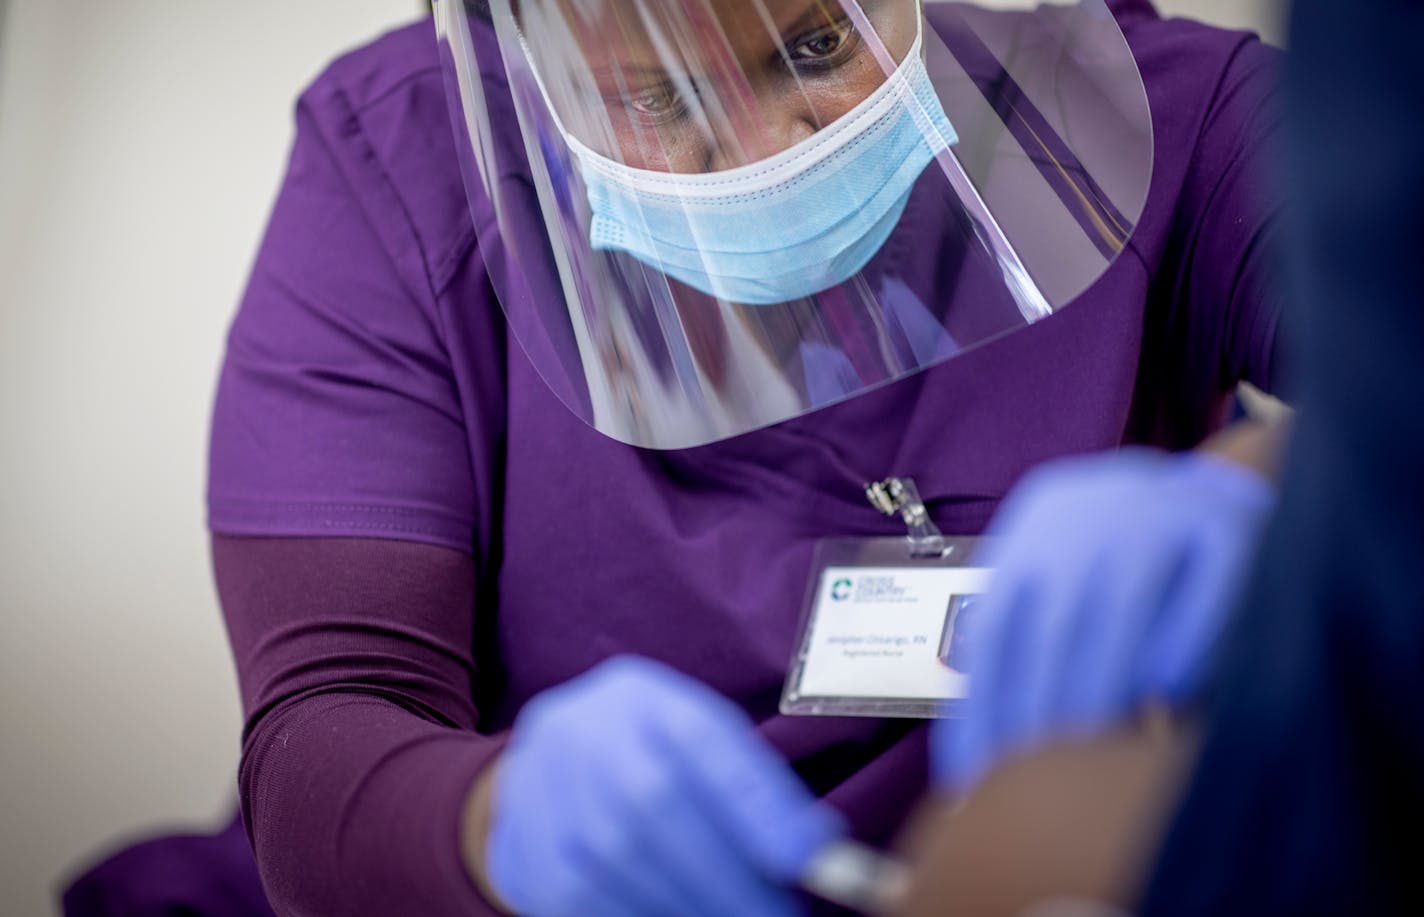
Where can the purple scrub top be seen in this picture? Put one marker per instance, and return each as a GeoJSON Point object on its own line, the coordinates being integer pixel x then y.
{"type": "Point", "coordinates": [371, 390]}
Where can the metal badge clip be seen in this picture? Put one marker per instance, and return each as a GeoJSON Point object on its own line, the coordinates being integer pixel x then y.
{"type": "Point", "coordinates": [899, 496]}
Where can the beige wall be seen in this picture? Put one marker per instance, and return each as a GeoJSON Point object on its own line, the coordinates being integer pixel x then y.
{"type": "Point", "coordinates": [140, 143]}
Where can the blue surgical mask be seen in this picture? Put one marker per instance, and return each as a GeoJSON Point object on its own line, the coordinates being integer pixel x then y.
{"type": "Point", "coordinates": [786, 227]}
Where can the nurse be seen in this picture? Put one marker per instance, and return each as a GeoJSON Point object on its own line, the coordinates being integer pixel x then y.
{"type": "Point", "coordinates": [589, 376]}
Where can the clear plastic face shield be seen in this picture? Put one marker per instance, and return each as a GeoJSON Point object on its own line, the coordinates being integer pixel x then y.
{"type": "Point", "coordinates": [702, 217]}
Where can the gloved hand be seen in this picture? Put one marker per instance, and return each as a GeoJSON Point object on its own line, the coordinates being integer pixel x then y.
{"type": "Point", "coordinates": [1113, 576]}
{"type": "Point", "coordinates": [634, 789]}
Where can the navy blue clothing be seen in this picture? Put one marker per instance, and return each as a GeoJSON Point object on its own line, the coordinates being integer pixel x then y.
{"type": "Point", "coordinates": [1308, 791]}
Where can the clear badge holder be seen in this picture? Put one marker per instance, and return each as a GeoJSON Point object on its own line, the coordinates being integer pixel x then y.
{"type": "Point", "coordinates": [884, 619]}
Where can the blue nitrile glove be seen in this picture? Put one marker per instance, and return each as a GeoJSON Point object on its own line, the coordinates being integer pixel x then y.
{"type": "Point", "coordinates": [1113, 576]}
{"type": "Point", "coordinates": [634, 789]}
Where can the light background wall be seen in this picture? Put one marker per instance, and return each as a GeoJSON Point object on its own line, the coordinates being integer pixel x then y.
{"type": "Point", "coordinates": [140, 146]}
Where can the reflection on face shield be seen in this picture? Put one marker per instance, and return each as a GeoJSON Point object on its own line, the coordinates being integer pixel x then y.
{"type": "Point", "coordinates": [725, 231]}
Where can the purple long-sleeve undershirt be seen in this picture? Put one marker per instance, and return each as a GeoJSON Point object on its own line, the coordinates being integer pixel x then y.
{"type": "Point", "coordinates": [355, 663]}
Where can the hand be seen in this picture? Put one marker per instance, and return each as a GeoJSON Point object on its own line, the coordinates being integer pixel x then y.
{"type": "Point", "coordinates": [636, 790]}
{"type": "Point", "coordinates": [1113, 577]}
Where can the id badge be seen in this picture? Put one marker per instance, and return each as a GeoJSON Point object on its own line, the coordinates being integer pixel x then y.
{"type": "Point", "coordinates": [882, 628]}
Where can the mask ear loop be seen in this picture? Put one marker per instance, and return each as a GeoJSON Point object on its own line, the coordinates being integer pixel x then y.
{"type": "Point", "coordinates": [1032, 304]}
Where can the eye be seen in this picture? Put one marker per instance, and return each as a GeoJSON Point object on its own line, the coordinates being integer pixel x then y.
{"type": "Point", "coordinates": [825, 47]}
{"type": "Point", "coordinates": [655, 102]}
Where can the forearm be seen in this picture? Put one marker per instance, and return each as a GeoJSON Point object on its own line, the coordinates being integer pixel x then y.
{"type": "Point", "coordinates": [1074, 820]}
{"type": "Point", "coordinates": [1255, 444]}
{"type": "Point", "coordinates": [354, 807]}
